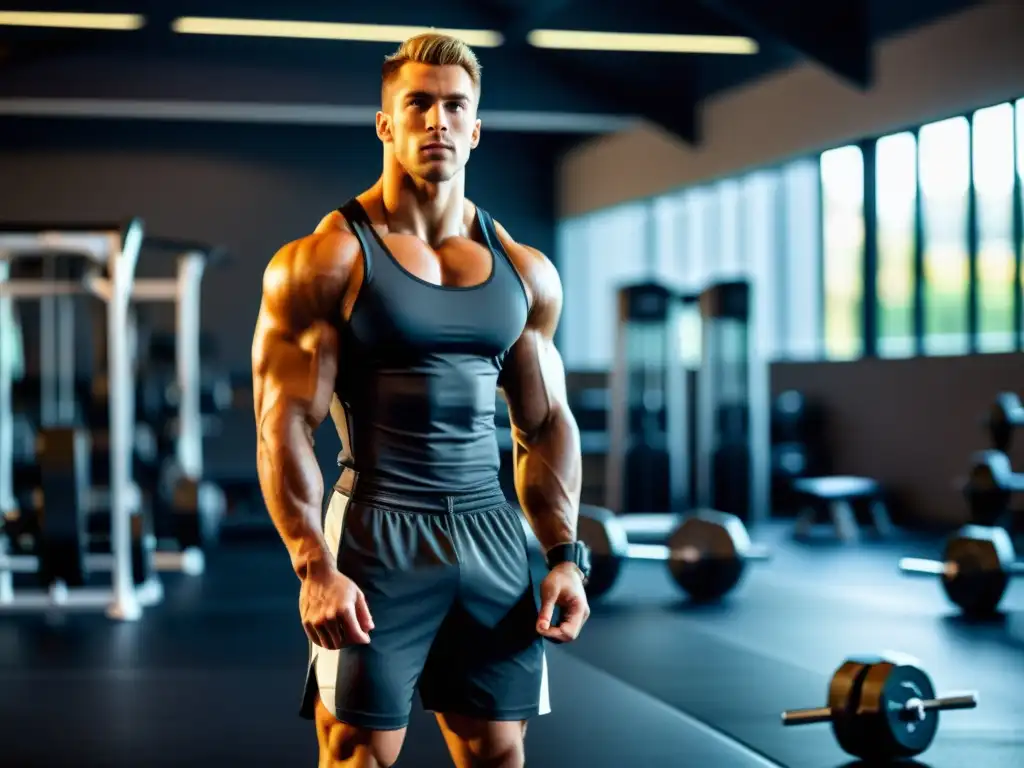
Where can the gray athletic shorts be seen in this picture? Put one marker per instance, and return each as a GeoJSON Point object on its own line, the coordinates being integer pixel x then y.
{"type": "Point", "coordinates": [448, 584]}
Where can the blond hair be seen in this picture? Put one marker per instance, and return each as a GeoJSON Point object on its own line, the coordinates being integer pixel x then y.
{"type": "Point", "coordinates": [435, 49]}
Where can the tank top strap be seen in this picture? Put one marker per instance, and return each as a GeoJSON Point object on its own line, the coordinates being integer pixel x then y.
{"type": "Point", "coordinates": [490, 233]}
{"type": "Point", "coordinates": [361, 226]}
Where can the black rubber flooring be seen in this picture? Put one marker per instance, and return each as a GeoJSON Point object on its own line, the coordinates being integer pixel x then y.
{"type": "Point", "coordinates": [213, 676]}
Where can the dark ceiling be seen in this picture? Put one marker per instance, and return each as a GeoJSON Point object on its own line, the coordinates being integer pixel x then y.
{"type": "Point", "coordinates": [519, 80]}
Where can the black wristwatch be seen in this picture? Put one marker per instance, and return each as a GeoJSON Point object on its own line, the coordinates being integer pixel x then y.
{"type": "Point", "coordinates": [575, 552]}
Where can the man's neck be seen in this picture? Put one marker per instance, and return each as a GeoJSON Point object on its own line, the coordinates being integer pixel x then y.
{"type": "Point", "coordinates": [431, 212]}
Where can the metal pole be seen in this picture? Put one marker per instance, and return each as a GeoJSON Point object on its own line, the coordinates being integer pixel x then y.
{"type": "Point", "coordinates": [759, 411]}
{"type": "Point", "coordinates": [121, 388]}
{"type": "Point", "coordinates": [190, 435]}
{"type": "Point", "coordinates": [706, 382]}
{"type": "Point", "coordinates": [66, 357]}
{"type": "Point", "coordinates": [619, 411]}
{"type": "Point", "coordinates": [676, 409]}
{"type": "Point", "coordinates": [47, 349]}
{"type": "Point", "coordinates": [7, 353]}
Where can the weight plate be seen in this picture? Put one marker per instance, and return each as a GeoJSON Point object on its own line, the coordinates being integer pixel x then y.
{"type": "Point", "coordinates": [843, 701]}
{"type": "Point", "coordinates": [978, 577]}
{"type": "Point", "coordinates": [987, 498]}
{"type": "Point", "coordinates": [704, 554]}
{"type": "Point", "coordinates": [601, 531]}
{"type": "Point", "coordinates": [1004, 417]}
{"type": "Point", "coordinates": [896, 731]}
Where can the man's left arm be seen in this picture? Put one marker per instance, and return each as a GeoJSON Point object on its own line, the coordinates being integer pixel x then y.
{"type": "Point", "coordinates": [545, 439]}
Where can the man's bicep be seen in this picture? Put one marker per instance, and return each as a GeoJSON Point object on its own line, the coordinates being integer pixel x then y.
{"type": "Point", "coordinates": [294, 349]}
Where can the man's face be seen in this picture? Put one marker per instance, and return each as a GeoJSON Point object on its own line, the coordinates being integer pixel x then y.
{"type": "Point", "coordinates": [432, 122]}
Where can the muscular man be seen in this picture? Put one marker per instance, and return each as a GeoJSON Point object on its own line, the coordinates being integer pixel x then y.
{"type": "Point", "coordinates": [399, 316]}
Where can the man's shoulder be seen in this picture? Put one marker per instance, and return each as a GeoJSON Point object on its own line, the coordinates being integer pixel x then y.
{"type": "Point", "coordinates": [534, 267]}
{"type": "Point", "coordinates": [320, 262]}
{"type": "Point", "coordinates": [334, 221]}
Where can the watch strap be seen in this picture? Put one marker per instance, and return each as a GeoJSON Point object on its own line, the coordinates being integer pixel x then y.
{"type": "Point", "coordinates": [575, 552]}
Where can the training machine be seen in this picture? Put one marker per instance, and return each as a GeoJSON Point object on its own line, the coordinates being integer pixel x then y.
{"type": "Point", "coordinates": [112, 252]}
{"type": "Point", "coordinates": [61, 499]}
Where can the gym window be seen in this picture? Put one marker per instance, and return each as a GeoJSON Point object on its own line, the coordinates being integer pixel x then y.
{"type": "Point", "coordinates": [762, 225]}
{"type": "Point", "coordinates": [922, 239]}
{"type": "Point", "coordinates": [900, 245]}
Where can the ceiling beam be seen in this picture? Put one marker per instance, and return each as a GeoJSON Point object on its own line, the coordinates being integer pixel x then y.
{"type": "Point", "coordinates": [836, 33]}
{"type": "Point", "coordinates": [518, 25]}
{"type": "Point", "coordinates": [675, 112]}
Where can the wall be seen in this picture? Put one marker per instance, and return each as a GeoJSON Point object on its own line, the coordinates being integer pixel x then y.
{"type": "Point", "coordinates": [967, 60]}
{"type": "Point", "coordinates": [912, 424]}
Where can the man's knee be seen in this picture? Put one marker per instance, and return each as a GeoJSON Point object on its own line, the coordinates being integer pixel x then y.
{"type": "Point", "coordinates": [484, 744]}
{"type": "Point", "coordinates": [347, 746]}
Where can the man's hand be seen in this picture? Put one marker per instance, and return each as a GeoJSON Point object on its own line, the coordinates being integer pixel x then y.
{"type": "Point", "coordinates": [563, 587]}
{"type": "Point", "coordinates": [333, 610]}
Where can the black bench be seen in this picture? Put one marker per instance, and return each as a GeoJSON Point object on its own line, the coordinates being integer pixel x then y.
{"type": "Point", "coordinates": [837, 500]}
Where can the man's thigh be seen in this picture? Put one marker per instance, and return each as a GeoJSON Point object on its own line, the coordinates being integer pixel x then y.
{"type": "Point", "coordinates": [487, 662]}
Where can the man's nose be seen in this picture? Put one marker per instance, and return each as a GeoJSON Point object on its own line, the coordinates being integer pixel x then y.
{"type": "Point", "coordinates": [437, 118]}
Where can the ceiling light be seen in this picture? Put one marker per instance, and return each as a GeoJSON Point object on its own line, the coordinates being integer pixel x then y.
{"type": "Point", "coordinates": [119, 21]}
{"type": "Point", "coordinates": [321, 30]}
{"type": "Point", "coordinates": [644, 43]}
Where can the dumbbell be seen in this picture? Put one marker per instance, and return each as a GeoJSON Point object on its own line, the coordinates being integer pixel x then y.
{"type": "Point", "coordinates": [990, 486]}
{"type": "Point", "coordinates": [706, 553]}
{"type": "Point", "coordinates": [1005, 416]}
{"type": "Point", "coordinates": [882, 708]}
{"type": "Point", "coordinates": [976, 568]}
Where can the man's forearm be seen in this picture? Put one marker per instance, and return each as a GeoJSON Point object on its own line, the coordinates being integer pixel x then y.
{"type": "Point", "coordinates": [293, 490]}
{"type": "Point", "coordinates": [548, 475]}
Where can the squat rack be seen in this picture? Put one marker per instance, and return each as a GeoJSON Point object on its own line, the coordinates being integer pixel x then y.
{"type": "Point", "coordinates": [117, 255]}
{"type": "Point", "coordinates": [113, 251]}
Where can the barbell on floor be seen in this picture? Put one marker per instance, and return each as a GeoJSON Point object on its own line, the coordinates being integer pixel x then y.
{"type": "Point", "coordinates": [976, 568]}
{"type": "Point", "coordinates": [706, 551]}
{"type": "Point", "coordinates": [882, 709]}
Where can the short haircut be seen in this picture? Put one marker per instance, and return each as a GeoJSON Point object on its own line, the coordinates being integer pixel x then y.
{"type": "Point", "coordinates": [435, 49]}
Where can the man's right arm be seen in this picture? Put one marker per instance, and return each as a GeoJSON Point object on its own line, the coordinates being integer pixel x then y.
{"type": "Point", "coordinates": [294, 366]}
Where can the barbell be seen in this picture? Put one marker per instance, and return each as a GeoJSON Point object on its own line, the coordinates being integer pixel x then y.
{"type": "Point", "coordinates": [882, 708]}
{"type": "Point", "coordinates": [706, 552]}
{"type": "Point", "coordinates": [976, 568]}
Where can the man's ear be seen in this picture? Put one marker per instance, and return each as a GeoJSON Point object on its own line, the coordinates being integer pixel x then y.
{"type": "Point", "coordinates": [384, 127]}
{"type": "Point", "coordinates": [475, 141]}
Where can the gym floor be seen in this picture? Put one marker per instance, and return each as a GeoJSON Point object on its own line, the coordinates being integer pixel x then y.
{"type": "Point", "coordinates": [213, 676]}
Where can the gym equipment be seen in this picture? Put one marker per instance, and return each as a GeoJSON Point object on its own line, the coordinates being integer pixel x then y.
{"type": "Point", "coordinates": [705, 551]}
{"type": "Point", "coordinates": [61, 507]}
{"type": "Point", "coordinates": [647, 462]}
{"type": "Point", "coordinates": [976, 568]}
{"type": "Point", "coordinates": [991, 483]}
{"type": "Point", "coordinates": [195, 506]}
{"type": "Point", "coordinates": [733, 424]}
{"type": "Point", "coordinates": [839, 500]}
{"type": "Point", "coordinates": [110, 253]}
{"type": "Point", "coordinates": [882, 709]}
{"type": "Point", "coordinates": [1004, 417]}
{"type": "Point", "coordinates": [173, 377]}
